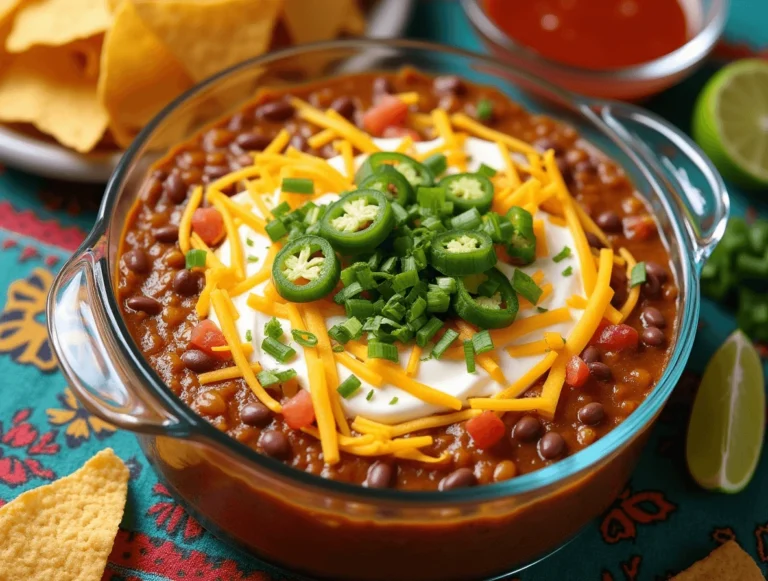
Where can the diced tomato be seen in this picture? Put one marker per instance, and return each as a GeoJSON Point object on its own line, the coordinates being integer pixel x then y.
{"type": "Point", "coordinates": [209, 225]}
{"type": "Point", "coordinates": [599, 331]}
{"type": "Point", "coordinates": [618, 337]}
{"type": "Point", "coordinates": [639, 227]}
{"type": "Point", "coordinates": [298, 411]}
{"type": "Point", "coordinates": [390, 110]}
{"type": "Point", "coordinates": [395, 131]}
{"type": "Point", "coordinates": [205, 336]}
{"type": "Point", "coordinates": [576, 372]}
{"type": "Point", "coordinates": [486, 429]}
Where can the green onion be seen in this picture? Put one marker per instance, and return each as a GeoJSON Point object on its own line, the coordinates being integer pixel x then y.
{"type": "Point", "coordinates": [273, 328]}
{"type": "Point", "coordinates": [568, 271]}
{"type": "Point", "coordinates": [313, 215]}
{"type": "Point", "coordinates": [445, 341]}
{"type": "Point", "coordinates": [417, 308]}
{"type": "Point", "coordinates": [393, 401]}
{"type": "Point", "coordinates": [195, 258]}
{"type": "Point", "coordinates": [431, 198]}
{"type": "Point", "coordinates": [390, 265]}
{"type": "Point", "coordinates": [638, 274]}
{"type": "Point", "coordinates": [249, 241]}
{"type": "Point", "coordinates": [267, 378]}
{"type": "Point", "coordinates": [304, 338]}
{"type": "Point", "coordinates": [420, 257]}
{"type": "Point", "coordinates": [276, 230]}
{"type": "Point", "coordinates": [365, 277]}
{"type": "Point", "coordinates": [252, 259]}
{"type": "Point", "coordinates": [375, 260]}
{"type": "Point", "coordinates": [437, 162]}
{"type": "Point", "coordinates": [360, 308]}
{"type": "Point", "coordinates": [542, 309]}
{"type": "Point", "coordinates": [526, 287]}
{"type": "Point", "coordinates": [408, 263]}
{"type": "Point", "coordinates": [482, 342]}
{"type": "Point", "coordinates": [484, 110]}
{"type": "Point", "coordinates": [347, 293]}
{"type": "Point", "coordinates": [405, 280]}
{"type": "Point", "coordinates": [281, 209]}
{"type": "Point", "coordinates": [488, 288]}
{"type": "Point", "coordinates": [379, 350]}
{"type": "Point", "coordinates": [486, 170]}
{"type": "Point", "coordinates": [403, 334]}
{"type": "Point", "coordinates": [369, 397]}
{"type": "Point", "coordinates": [469, 356]}
{"type": "Point", "coordinates": [469, 220]}
{"type": "Point", "coordinates": [417, 323]}
{"type": "Point", "coordinates": [339, 334]}
{"type": "Point", "coordinates": [248, 336]}
{"type": "Point", "coordinates": [563, 254]}
{"type": "Point", "coordinates": [349, 387]}
{"type": "Point", "coordinates": [438, 301]}
{"type": "Point", "coordinates": [446, 283]}
{"type": "Point", "coordinates": [298, 186]}
{"type": "Point", "coordinates": [278, 350]}
{"type": "Point", "coordinates": [394, 309]}
{"type": "Point", "coordinates": [401, 215]}
{"type": "Point", "coordinates": [353, 327]}
{"type": "Point", "coordinates": [425, 334]}
{"type": "Point", "coordinates": [433, 224]}
{"type": "Point", "coordinates": [337, 349]}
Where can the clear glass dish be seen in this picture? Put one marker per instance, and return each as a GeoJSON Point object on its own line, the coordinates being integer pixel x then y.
{"type": "Point", "coordinates": [338, 531]}
{"type": "Point", "coordinates": [706, 20]}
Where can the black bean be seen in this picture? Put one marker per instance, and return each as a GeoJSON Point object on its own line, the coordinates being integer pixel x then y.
{"type": "Point", "coordinates": [590, 354]}
{"type": "Point", "coordinates": [136, 260]}
{"type": "Point", "coordinates": [551, 446]}
{"type": "Point", "coordinates": [619, 285]}
{"type": "Point", "coordinates": [145, 305]}
{"type": "Point", "coordinates": [275, 111]}
{"type": "Point", "coordinates": [255, 141]}
{"type": "Point", "coordinates": [255, 414]}
{"type": "Point", "coordinates": [167, 234]}
{"type": "Point", "coordinates": [379, 475]}
{"type": "Point", "coordinates": [449, 84]}
{"type": "Point", "coordinates": [186, 283]}
{"type": "Point", "coordinates": [652, 336]}
{"type": "Point", "coordinates": [275, 444]}
{"type": "Point", "coordinates": [600, 371]}
{"type": "Point", "coordinates": [175, 188]}
{"type": "Point", "coordinates": [527, 429]}
{"type": "Point", "coordinates": [198, 361]}
{"type": "Point", "coordinates": [594, 241]}
{"type": "Point", "coordinates": [652, 317]}
{"type": "Point", "coordinates": [609, 222]}
{"type": "Point", "coordinates": [344, 106]}
{"type": "Point", "coordinates": [651, 287]}
{"type": "Point", "coordinates": [382, 86]}
{"type": "Point", "coordinates": [461, 478]}
{"type": "Point", "coordinates": [591, 414]}
{"type": "Point", "coordinates": [656, 270]}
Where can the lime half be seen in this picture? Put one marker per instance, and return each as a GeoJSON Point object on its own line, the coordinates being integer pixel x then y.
{"type": "Point", "coordinates": [730, 122]}
{"type": "Point", "coordinates": [725, 433]}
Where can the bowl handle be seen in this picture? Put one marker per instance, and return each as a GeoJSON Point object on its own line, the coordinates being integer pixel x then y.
{"type": "Point", "coordinates": [677, 165]}
{"type": "Point", "coordinates": [102, 377]}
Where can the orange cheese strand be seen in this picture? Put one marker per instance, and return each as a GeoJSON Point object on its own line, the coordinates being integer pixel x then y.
{"type": "Point", "coordinates": [185, 224]}
{"type": "Point", "coordinates": [634, 292]}
{"type": "Point", "coordinates": [236, 258]}
{"type": "Point", "coordinates": [211, 261]}
{"type": "Point", "coordinates": [264, 274]}
{"type": "Point", "coordinates": [412, 369]}
{"type": "Point", "coordinates": [542, 250]}
{"type": "Point", "coordinates": [463, 121]}
{"type": "Point", "coordinates": [360, 369]}
{"type": "Point", "coordinates": [331, 120]}
{"type": "Point", "coordinates": [484, 360]}
{"type": "Point", "coordinates": [224, 374]}
{"type": "Point", "coordinates": [528, 378]}
{"type": "Point", "coordinates": [395, 376]}
{"type": "Point", "coordinates": [522, 327]}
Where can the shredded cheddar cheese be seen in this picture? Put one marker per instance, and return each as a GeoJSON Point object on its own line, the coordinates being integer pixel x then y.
{"type": "Point", "coordinates": [322, 138]}
{"type": "Point", "coordinates": [279, 142]}
{"type": "Point", "coordinates": [225, 374]}
{"type": "Point", "coordinates": [334, 121]}
{"type": "Point", "coordinates": [465, 122]}
{"type": "Point", "coordinates": [236, 258]}
{"type": "Point", "coordinates": [412, 369]}
{"type": "Point", "coordinates": [185, 224]}
{"type": "Point", "coordinates": [634, 292]}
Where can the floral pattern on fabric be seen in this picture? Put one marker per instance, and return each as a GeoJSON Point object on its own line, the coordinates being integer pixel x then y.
{"type": "Point", "coordinates": [80, 423]}
{"type": "Point", "coordinates": [21, 443]}
{"type": "Point", "coordinates": [173, 518]}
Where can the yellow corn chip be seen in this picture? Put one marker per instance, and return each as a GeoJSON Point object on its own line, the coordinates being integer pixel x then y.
{"type": "Point", "coordinates": [207, 37]}
{"type": "Point", "coordinates": [56, 22]}
{"type": "Point", "coordinates": [311, 21]}
{"type": "Point", "coordinates": [728, 562]}
{"type": "Point", "coordinates": [65, 530]}
{"type": "Point", "coordinates": [6, 7]}
{"type": "Point", "coordinates": [50, 88]}
{"type": "Point", "coordinates": [139, 76]}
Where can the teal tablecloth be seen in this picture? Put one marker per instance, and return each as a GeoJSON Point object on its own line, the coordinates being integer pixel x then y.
{"type": "Point", "coordinates": [659, 525]}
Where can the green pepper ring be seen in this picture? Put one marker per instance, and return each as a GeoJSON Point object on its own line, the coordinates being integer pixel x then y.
{"type": "Point", "coordinates": [483, 204]}
{"type": "Point", "coordinates": [376, 160]}
{"type": "Point", "coordinates": [467, 308]}
{"type": "Point", "coordinates": [462, 263]}
{"type": "Point", "coordinates": [324, 284]}
{"type": "Point", "coordinates": [366, 240]}
{"type": "Point", "coordinates": [386, 177]}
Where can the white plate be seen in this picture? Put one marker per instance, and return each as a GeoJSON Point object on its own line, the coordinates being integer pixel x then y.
{"type": "Point", "coordinates": [388, 19]}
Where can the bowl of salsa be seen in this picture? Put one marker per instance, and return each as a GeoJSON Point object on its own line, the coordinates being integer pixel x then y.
{"type": "Point", "coordinates": [620, 49]}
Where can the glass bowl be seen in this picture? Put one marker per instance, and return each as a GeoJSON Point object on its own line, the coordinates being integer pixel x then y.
{"type": "Point", "coordinates": [706, 20]}
{"type": "Point", "coordinates": [339, 531]}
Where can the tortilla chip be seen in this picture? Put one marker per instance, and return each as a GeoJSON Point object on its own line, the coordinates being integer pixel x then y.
{"type": "Point", "coordinates": [6, 7]}
{"type": "Point", "coordinates": [311, 21]}
{"type": "Point", "coordinates": [728, 562]}
{"type": "Point", "coordinates": [207, 37]}
{"type": "Point", "coordinates": [50, 89]}
{"type": "Point", "coordinates": [65, 530]}
{"type": "Point", "coordinates": [139, 76]}
{"type": "Point", "coordinates": [56, 22]}
{"type": "Point", "coordinates": [354, 22]}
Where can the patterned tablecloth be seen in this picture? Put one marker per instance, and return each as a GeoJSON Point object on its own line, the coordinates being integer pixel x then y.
{"type": "Point", "coordinates": [660, 524]}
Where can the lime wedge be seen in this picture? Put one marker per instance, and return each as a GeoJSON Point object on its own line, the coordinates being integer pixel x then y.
{"type": "Point", "coordinates": [730, 122]}
{"type": "Point", "coordinates": [725, 433]}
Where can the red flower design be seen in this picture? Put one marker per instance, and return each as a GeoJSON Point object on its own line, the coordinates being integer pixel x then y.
{"type": "Point", "coordinates": [173, 518]}
{"type": "Point", "coordinates": [15, 470]}
{"type": "Point", "coordinates": [761, 535]}
{"type": "Point", "coordinates": [630, 510]}
{"type": "Point", "coordinates": [723, 535]}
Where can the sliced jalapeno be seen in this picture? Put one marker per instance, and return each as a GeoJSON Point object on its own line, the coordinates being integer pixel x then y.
{"type": "Point", "coordinates": [522, 245]}
{"type": "Point", "coordinates": [306, 269]}
{"type": "Point", "coordinates": [494, 312]}
{"type": "Point", "coordinates": [416, 173]}
{"type": "Point", "coordinates": [391, 183]}
{"type": "Point", "coordinates": [467, 191]}
{"type": "Point", "coordinates": [358, 222]}
{"type": "Point", "coordinates": [462, 252]}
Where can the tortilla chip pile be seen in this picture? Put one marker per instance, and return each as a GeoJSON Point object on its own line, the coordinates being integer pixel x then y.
{"type": "Point", "coordinates": [92, 73]}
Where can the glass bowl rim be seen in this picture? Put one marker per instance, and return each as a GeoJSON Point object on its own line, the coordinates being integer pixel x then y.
{"type": "Point", "coordinates": [680, 59]}
{"type": "Point", "coordinates": [203, 432]}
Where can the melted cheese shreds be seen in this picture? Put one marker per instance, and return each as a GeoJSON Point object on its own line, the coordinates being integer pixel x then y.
{"type": "Point", "coordinates": [541, 239]}
{"type": "Point", "coordinates": [334, 121]}
{"type": "Point", "coordinates": [236, 258]}
{"type": "Point", "coordinates": [411, 98]}
{"type": "Point", "coordinates": [395, 376]}
{"type": "Point", "coordinates": [261, 276]}
{"type": "Point", "coordinates": [322, 138]}
{"type": "Point", "coordinates": [279, 142]}
{"type": "Point", "coordinates": [243, 174]}
{"type": "Point", "coordinates": [634, 292]}
{"type": "Point", "coordinates": [225, 374]}
{"type": "Point", "coordinates": [443, 127]}
{"type": "Point", "coordinates": [412, 369]}
{"type": "Point", "coordinates": [465, 122]}
{"type": "Point", "coordinates": [513, 178]}
{"type": "Point", "coordinates": [248, 218]}
{"type": "Point", "coordinates": [522, 327]}
{"type": "Point", "coordinates": [393, 431]}
{"type": "Point", "coordinates": [185, 224]}
{"type": "Point", "coordinates": [211, 260]}
{"type": "Point", "coordinates": [344, 147]}
{"type": "Point", "coordinates": [590, 226]}
{"type": "Point", "coordinates": [522, 384]}
{"type": "Point", "coordinates": [360, 369]}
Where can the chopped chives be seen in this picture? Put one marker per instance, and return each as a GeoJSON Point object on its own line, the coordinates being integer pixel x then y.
{"type": "Point", "coordinates": [304, 338]}
{"type": "Point", "coordinates": [267, 378]}
{"type": "Point", "coordinates": [526, 287]}
{"type": "Point", "coordinates": [390, 265]}
{"type": "Point", "coordinates": [248, 336]}
{"type": "Point", "coordinates": [195, 258]}
{"type": "Point", "coordinates": [425, 333]}
{"type": "Point", "coordinates": [353, 327]}
{"type": "Point", "coordinates": [369, 397]}
{"type": "Point", "coordinates": [484, 109]}
{"type": "Point", "coordinates": [638, 274]}
{"type": "Point", "coordinates": [469, 220]}
{"type": "Point", "coordinates": [408, 263]}
{"type": "Point", "coordinates": [360, 308]}
{"type": "Point", "coordinates": [438, 301]}
{"type": "Point", "coordinates": [488, 288]}
{"type": "Point", "coordinates": [437, 162]}
{"type": "Point", "coordinates": [482, 342]}
{"type": "Point", "coordinates": [486, 170]}
{"type": "Point", "coordinates": [253, 259]}
{"type": "Point", "coordinates": [568, 271]}
{"type": "Point", "coordinates": [337, 349]}
{"type": "Point", "coordinates": [405, 280]}
{"type": "Point", "coordinates": [276, 230]}
{"type": "Point", "coordinates": [298, 186]}
{"type": "Point", "coordinates": [469, 356]}
{"type": "Point", "coordinates": [379, 350]}
{"type": "Point", "coordinates": [401, 214]}
{"type": "Point", "coordinates": [542, 309]}
{"type": "Point", "coordinates": [278, 350]}
{"type": "Point", "coordinates": [447, 284]}
{"type": "Point", "coordinates": [249, 241]}
{"type": "Point", "coordinates": [417, 308]}
{"type": "Point", "coordinates": [349, 387]}
{"type": "Point", "coordinates": [273, 328]}
{"type": "Point", "coordinates": [563, 254]}
{"type": "Point", "coordinates": [347, 293]}
{"type": "Point", "coordinates": [445, 341]}
{"type": "Point", "coordinates": [394, 400]}
{"type": "Point", "coordinates": [281, 209]}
